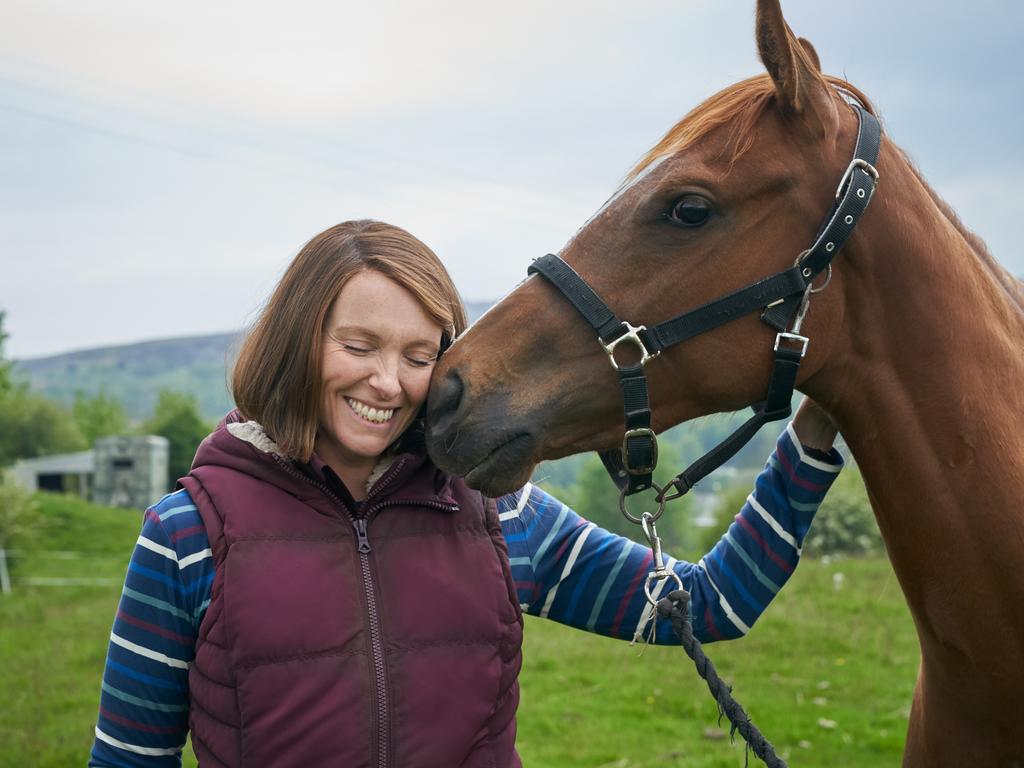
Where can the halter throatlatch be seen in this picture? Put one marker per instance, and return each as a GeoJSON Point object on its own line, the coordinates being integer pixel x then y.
{"type": "Point", "coordinates": [783, 299]}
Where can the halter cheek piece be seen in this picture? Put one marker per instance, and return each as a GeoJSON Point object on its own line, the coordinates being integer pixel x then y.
{"type": "Point", "coordinates": [783, 299]}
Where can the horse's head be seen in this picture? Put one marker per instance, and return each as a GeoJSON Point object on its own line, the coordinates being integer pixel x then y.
{"type": "Point", "coordinates": [733, 193]}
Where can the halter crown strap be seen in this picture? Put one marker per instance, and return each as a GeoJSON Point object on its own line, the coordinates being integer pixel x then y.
{"type": "Point", "coordinates": [782, 296]}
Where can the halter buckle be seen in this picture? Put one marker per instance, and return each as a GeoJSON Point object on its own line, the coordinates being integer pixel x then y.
{"type": "Point", "coordinates": [794, 337]}
{"type": "Point", "coordinates": [631, 335]}
{"type": "Point", "coordinates": [856, 163]}
{"type": "Point", "coordinates": [640, 432]}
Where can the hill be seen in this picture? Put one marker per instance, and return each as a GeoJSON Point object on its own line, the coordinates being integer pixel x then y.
{"type": "Point", "coordinates": [198, 365]}
{"type": "Point", "coordinates": [135, 373]}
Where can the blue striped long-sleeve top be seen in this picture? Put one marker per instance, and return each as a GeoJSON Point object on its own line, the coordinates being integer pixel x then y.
{"type": "Point", "coordinates": [565, 569]}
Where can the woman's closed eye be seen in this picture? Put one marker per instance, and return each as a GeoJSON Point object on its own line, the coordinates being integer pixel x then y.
{"type": "Point", "coordinates": [421, 361]}
{"type": "Point", "coordinates": [417, 360]}
{"type": "Point", "coordinates": [356, 349]}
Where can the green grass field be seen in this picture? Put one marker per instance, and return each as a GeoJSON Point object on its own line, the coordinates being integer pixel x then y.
{"type": "Point", "coordinates": [827, 673]}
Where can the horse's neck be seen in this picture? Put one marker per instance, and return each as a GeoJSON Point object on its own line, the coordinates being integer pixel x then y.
{"type": "Point", "coordinates": [927, 384]}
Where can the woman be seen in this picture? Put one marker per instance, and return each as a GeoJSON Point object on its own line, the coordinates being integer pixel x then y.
{"type": "Point", "coordinates": [318, 593]}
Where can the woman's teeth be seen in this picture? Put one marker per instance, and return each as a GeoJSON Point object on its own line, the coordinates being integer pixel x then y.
{"type": "Point", "coordinates": [370, 414]}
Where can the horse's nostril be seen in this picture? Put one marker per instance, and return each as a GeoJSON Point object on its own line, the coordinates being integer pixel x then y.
{"type": "Point", "coordinates": [445, 399]}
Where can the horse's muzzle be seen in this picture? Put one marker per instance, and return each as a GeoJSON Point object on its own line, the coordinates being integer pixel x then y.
{"type": "Point", "coordinates": [480, 443]}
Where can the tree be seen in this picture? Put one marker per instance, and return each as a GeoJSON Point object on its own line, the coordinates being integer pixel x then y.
{"type": "Point", "coordinates": [5, 365]}
{"type": "Point", "coordinates": [99, 416]}
{"type": "Point", "coordinates": [845, 522]}
{"type": "Point", "coordinates": [31, 425]}
{"type": "Point", "coordinates": [596, 498]}
{"type": "Point", "coordinates": [176, 417]}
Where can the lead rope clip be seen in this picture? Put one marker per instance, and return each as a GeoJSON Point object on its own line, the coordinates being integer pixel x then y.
{"type": "Point", "coordinates": [660, 572]}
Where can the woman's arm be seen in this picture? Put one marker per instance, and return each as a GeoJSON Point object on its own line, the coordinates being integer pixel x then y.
{"type": "Point", "coordinates": [143, 717]}
{"type": "Point", "coordinates": [814, 426]}
{"type": "Point", "coordinates": [569, 570]}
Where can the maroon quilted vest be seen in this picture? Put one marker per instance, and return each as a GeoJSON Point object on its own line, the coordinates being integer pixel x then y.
{"type": "Point", "coordinates": [388, 640]}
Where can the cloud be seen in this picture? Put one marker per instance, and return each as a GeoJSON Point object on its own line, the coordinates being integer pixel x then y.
{"type": "Point", "coordinates": [153, 151]}
{"type": "Point", "coordinates": [304, 63]}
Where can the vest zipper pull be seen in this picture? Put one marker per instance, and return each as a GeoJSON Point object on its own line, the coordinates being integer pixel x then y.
{"type": "Point", "coordinates": [364, 542]}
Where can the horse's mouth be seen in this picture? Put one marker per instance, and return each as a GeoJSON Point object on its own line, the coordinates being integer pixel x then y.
{"type": "Point", "coordinates": [506, 468]}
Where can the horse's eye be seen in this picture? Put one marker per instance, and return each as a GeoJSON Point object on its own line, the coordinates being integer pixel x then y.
{"type": "Point", "coordinates": [690, 211]}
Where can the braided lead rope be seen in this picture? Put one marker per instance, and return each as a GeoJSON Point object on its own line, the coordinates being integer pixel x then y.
{"type": "Point", "coordinates": [676, 607]}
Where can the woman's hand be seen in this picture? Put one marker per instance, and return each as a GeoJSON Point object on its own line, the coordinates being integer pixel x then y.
{"type": "Point", "coordinates": [814, 427]}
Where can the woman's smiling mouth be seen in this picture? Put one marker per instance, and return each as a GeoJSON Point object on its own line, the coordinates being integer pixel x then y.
{"type": "Point", "coordinates": [370, 414]}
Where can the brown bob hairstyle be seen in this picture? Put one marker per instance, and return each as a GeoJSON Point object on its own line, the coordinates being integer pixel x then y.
{"type": "Point", "coordinates": [277, 377]}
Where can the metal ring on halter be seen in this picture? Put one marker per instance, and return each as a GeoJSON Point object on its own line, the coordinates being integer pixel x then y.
{"type": "Point", "coordinates": [631, 335]}
{"type": "Point", "coordinates": [664, 498]}
{"type": "Point", "coordinates": [828, 273]}
{"type": "Point", "coordinates": [828, 279]}
{"type": "Point", "coordinates": [656, 576]}
{"type": "Point", "coordinates": [638, 520]}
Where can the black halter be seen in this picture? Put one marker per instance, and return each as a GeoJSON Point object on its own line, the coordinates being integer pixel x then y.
{"type": "Point", "coordinates": [782, 297]}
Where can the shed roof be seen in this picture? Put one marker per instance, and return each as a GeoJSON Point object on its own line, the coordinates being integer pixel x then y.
{"type": "Point", "coordinates": [64, 464]}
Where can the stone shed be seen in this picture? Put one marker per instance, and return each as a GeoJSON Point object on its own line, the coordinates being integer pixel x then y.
{"type": "Point", "coordinates": [124, 471]}
{"type": "Point", "coordinates": [130, 471]}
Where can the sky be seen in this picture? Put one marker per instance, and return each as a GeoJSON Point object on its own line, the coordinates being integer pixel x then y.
{"type": "Point", "coordinates": [160, 164]}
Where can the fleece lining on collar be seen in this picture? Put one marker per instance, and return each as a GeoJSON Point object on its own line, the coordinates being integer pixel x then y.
{"type": "Point", "coordinates": [253, 433]}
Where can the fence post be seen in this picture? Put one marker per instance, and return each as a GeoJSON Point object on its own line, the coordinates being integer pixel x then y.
{"type": "Point", "coordinates": [5, 577]}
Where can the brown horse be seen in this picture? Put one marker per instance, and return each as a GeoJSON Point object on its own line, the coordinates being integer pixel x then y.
{"type": "Point", "coordinates": [916, 349]}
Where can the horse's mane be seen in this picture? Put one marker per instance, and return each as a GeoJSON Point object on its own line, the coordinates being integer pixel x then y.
{"type": "Point", "coordinates": [1013, 286]}
{"type": "Point", "coordinates": [740, 106]}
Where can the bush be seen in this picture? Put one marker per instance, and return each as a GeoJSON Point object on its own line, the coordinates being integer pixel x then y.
{"type": "Point", "coordinates": [594, 496]}
{"type": "Point", "coordinates": [845, 522]}
{"type": "Point", "coordinates": [20, 519]}
{"type": "Point", "coordinates": [727, 506]}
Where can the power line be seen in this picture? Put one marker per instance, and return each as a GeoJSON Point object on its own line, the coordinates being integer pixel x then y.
{"type": "Point", "coordinates": [395, 168]}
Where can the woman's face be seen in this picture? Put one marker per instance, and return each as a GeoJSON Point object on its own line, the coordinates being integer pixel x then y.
{"type": "Point", "coordinates": [379, 350]}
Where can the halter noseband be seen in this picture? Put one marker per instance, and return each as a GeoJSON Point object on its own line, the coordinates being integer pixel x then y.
{"type": "Point", "coordinates": [783, 297]}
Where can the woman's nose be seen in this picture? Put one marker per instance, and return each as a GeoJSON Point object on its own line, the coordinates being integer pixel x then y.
{"type": "Point", "coordinates": [385, 379]}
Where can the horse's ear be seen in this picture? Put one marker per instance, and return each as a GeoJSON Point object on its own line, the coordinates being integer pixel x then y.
{"type": "Point", "coordinates": [795, 68]}
{"type": "Point", "coordinates": [811, 53]}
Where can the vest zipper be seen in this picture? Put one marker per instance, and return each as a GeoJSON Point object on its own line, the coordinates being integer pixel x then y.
{"type": "Point", "coordinates": [438, 505]}
{"type": "Point", "coordinates": [364, 542]}
{"type": "Point", "coordinates": [376, 641]}
{"type": "Point", "coordinates": [360, 525]}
